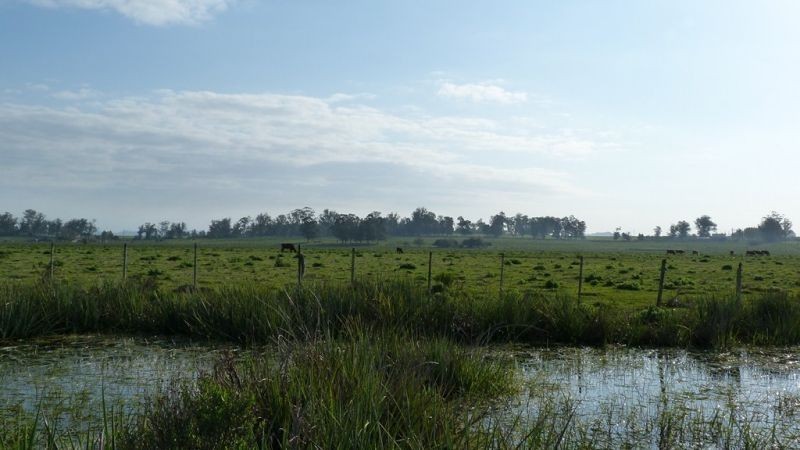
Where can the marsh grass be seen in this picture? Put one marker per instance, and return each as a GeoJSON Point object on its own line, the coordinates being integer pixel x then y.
{"type": "Point", "coordinates": [250, 314]}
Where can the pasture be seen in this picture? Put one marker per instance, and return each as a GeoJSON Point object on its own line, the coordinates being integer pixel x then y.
{"type": "Point", "coordinates": [623, 274]}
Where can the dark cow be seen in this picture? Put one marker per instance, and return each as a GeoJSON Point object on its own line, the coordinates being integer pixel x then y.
{"type": "Point", "coordinates": [752, 253]}
{"type": "Point", "coordinates": [765, 252]}
{"type": "Point", "coordinates": [398, 250]}
{"type": "Point", "coordinates": [671, 252]}
{"type": "Point", "coordinates": [733, 253]}
{"type": "Point", "coordinates": [680, 252]}
{"type": "Point", "coordinates": [289, 247]}
{"type": "Point", "coordinates": [695, 252]}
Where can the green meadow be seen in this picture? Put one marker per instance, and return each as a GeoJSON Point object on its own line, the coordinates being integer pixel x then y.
{"type": "Point", "coordinates": [624, 274]}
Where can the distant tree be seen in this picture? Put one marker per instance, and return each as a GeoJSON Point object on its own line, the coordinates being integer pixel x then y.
{"type": "Point", "coordinates": [32, 223]}
{"type": "Point", "coordinates": [775, 227]}
{"type": "Point", "coordinates": [464, 226]}
{"type": "Point", "coordinates": [705, 226]}
{"type": "Point", "coordinates": [446, 225]}
{"type": "Point", "coordinates": [657, 232]}
{"type": "Point", "coordinates": [617, 234]}
{"type": "Point", "coordinates": [497, 224]}
{"type": "Point", "coordinates": [177, 230]}
{"type": "Point", "coordinates": [262, 225]}
{"type": "Point", "coordinates": [345, 228]}
{"type": "Point", "coordinates": [309, 229]}
{"type": "Point", "coordinates": [220, 228]}
{"type": "Point", "coordinates": [423, 222]}
{"type": "Point", "coordinates": [680, 229]}
{"type": "Point", "coordinates": [372, 227]}
{"type": "Point", "coordinates": [8, 224]}
{"type": "Point", "coordinates": [78, 228]}
{"type": "Point", "coordinates": [146, 231]}
{"type": "Point", "coordinates": [242, 227]}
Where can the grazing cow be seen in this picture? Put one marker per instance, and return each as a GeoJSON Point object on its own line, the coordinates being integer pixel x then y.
{"type": "Point", "coordinates": [752, 253]}
{"type": "Point", "coordinates": [398, 250]}
{"type": "Point", "coordinates": [680, 252]}
{"type": "Point", "coordinates": [289, 247]}
{"type": "Point", "coordinates": [733, 253]}
{"type": "Point", "coordinates": [765, 252]}
{"type": "Point", "coordinates": [671, 252]}
{"type": "Point", "coordinates": [695, 252]}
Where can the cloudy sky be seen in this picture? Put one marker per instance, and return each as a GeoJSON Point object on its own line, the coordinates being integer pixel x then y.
{"type": "Point", "coordinates": [624, 113]}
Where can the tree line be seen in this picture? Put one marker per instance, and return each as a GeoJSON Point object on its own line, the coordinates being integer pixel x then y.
{"type": "Point", "coordinates": [308, 224]}
{"type": "Point", "coordinates": [773, 227]}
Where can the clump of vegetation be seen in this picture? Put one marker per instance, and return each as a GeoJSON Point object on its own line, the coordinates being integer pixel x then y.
{"type": "Point", "coordinates": [474, 242]}
{"type": "Point", "coordinates": [408, 266]}
{"type": "Point", "coordinates": [445, 243]}
{"type": "Point", "coordinates": [727, 267]}
{"type": "Point", "coordinates": [551, 284]}
{"type": "Point", "coordinates": [629, 286]}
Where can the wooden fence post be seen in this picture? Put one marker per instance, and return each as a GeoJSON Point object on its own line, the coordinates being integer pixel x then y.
{"type": "Point", "coordinates": [502, 271]}
{"type": "Point", "coordinates": [194, 267]}
{"type": "Point", "coordinates": [739, 273]}
{"type": "Point", "coordinates": [124, 261]}
{"type": "Point", "coordinates": [52, 259]}
{"type": "Point", "coordinates": [430, 263]}
{"type": "Point", "coordinates": [580, 280]}
{"type": "Point", "coordinates": [301, 268]}
{"type": "Point", "coordinates": [661, 281]}
{"type": "Point", "coordinates": [353, 266]}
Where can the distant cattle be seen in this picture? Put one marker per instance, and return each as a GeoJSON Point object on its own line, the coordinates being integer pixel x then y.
{"type": "Point", "coordinates": [289, 247]}
{"type": "Point", "coordinates": [733, 253]}
{"type": "Point", "coordinates": [765, 252]}
{"type": "Point", "coordinates": [680, 252]}
{"type": "Point", "coordinates": [757, 253]}
{"type": "Point", "coordinates": [695, 252]}
{"type": "Point", "coordinates": [398, 250]}
{"type": "Point", "coordinates": [671, 252]}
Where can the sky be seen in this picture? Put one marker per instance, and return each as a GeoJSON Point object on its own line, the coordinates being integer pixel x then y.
{"type": "Point", "coordinates": [625, 114]}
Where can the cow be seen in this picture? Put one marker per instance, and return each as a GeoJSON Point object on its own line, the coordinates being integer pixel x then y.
{"type": "Point", "coordinates": [671, 252]}
{"type": "Point", "coordinates": [289, 247]}
{"type": "Point", "coordinates": [752, 253]}
{"type": "Point", "coordinates": [733, 253]}
{"type": "Point", "coordinates": [695, 252]}
{"type": "Point", "coordinates": [765, 252]}
{"type": "Point", "coordinates": [680, 252]}
{"type": "Point", "coordinates": [399, 250]}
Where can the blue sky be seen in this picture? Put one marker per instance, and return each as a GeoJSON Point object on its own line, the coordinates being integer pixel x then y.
{"type": "Point", "coordinates": [624, 113]}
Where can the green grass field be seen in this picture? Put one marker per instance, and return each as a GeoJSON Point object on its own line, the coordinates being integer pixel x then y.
{"type": "Point", "coordinates": [619, 273]}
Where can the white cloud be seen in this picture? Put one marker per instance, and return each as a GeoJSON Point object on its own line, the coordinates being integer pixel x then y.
{"type": "Point", "coordinates": [215, 150]}
{"type": "Point", "coordinates": [149, 12]}
{"type": "Point", "coordinates": [485, 92]}
{"type": "Point", "coordinates": [79, 94]}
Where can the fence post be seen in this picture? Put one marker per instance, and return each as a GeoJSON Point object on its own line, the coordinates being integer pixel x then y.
{"type": "Point", "coordinates": [194, 268]}
{"type": "Point", "coordinates": [502, 271]}
{"type": "Point", "coordinates": [739, 272]}
{"type": "Point", "coordinates": [353, 266]}
{"type": "Point", "coordinates": [124, 261]}
{"type": "Point", "coordinates": [430, 263]}
{"type": "Point", "coordinates": [52, 259]}
{"type": "Point", "coordinates": [580, 280]}
{"type": "Point", "coordinates": [301, 268]}
{"type": "Point", "coordinates": [661, 281]}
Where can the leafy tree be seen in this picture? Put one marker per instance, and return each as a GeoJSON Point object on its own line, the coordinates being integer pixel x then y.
{"type": "Point", "coordinates": [464, 226]}
{"type": "Point", "coordinates": [33, 223]}
{"type": "Point", "coordinates": [683, 229]}
{"type": "Point", "coordinates": [775, 227]}
{"type": "Point", "coordinates": [309, 228]}
{"type": "Point", "coordinates": [346, 227]}
{"type": "Point", "coordinates": [242, 227]}
{"type": "Point", "coordinates": [705, 226]}
{"type": "Point", "coordinates": [657, 232]}
{"type": "Point", "coordinates": [8, 224]}
{"type": "Point", "coordinates": [497, 224]}
{"type": "Point", "coordinates": [372, 227]}
{"type": "Point", "coordinates": [220, 228]}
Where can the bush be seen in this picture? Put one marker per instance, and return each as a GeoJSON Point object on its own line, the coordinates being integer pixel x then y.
{"type": "Point", "coordinates": [474, 242]}
{"type": "Point", "coordinates": [445, 243]}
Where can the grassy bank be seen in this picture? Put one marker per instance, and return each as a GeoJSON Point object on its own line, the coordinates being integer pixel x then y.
{"type": "Point", "coordinates": [248, 314]}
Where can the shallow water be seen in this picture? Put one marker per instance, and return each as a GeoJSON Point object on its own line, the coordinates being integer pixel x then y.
{"type": "Point", "coordinates": [628, 395]}
{"type": "Point", "coordinates": [69, 378]}
{"type": "Point", "coordinates": [617, 396]}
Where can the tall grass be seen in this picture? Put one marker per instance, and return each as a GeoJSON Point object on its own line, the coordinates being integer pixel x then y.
{"type": "Point", "coordinates": [251, 314]}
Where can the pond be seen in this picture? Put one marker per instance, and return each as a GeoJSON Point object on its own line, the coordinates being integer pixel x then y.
{"type": "Point", "coordinates": [616, 396]}
{"type": "Point", "coordinates": [622, 396]}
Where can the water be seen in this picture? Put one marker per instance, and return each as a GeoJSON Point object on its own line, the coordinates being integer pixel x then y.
{"type": "Point", "coordinates": [69, 378]}
{"type": "Point", "coordinates": [623, 395]}
{"type": "Point", "coordinates": [615, 396]}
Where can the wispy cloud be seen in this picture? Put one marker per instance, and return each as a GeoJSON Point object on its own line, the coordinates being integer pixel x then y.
{"type": "Point", "coordinates": [83, 93]}
{"type": "Point", "coordinates": [484, 92]}
{"type": "Point", "coordinates": [149, 12]}
{"type": "Point", "coordinates": [199, 146]}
